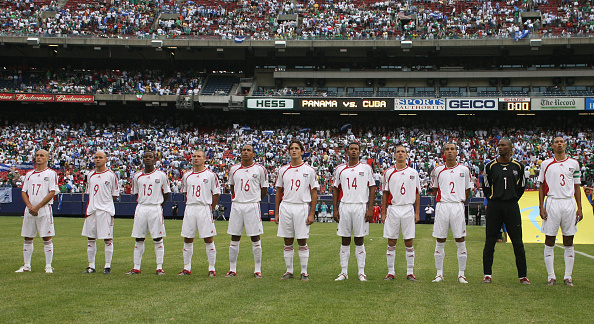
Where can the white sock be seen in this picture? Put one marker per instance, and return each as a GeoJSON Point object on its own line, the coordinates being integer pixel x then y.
{"type": "Point", "coordinates": [410, 260]}
{"type": "Point", "coordinates": [304, 258]}
{"type": "Point", "coordinates": [138, 252]}
{"type": "Point", "coordinates": [211, 255]}
{"type": "Point", "coordinates": [108, 253]}
{"type": "Point", "coordinates": [48, 248]}
{"type": "Point", "coordinates": [91, 252]}
{"type": "Point", "coordinates": [28, 252]}
{"type": "Point", "coordinates": [289, 253]}
{"type": "Point", "coordinates": [160, 253]}
{"type": "Point", "coordinates": [549, 258]}
{"type": "Point", "coordinates": [233, 253]}
{"type": "Point", "coordinates": [439, 255]}
{"type": "Point", "coordinates": [462, 256]}
{"type": "Point", "coordinates": [391, 257]}
{"type": "Point", "coordinates": [360, 255]}
{"type": "Point", "coordinates": [569, 260]}
{"type": "Point", "coordinates": [187, 253]}
{"type": "Point", "coordinates": [345, 254]}
{"type": "Point", "coordinates": [257, 251]}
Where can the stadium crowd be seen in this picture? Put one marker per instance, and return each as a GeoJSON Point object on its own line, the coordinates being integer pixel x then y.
{"type": "Point", "coordinates": [71, 146]}
{"type": "Point", "coordinates": [262, 20]}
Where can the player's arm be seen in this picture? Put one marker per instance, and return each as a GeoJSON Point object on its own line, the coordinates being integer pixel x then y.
{"type": "Point", "coordinates": [384, 205]}
{"type": "Point", "coordinates": [312, 206]}
{"type": "Point", "coordinates": [165, 198]}
{"type": "Point", "coordinates": [521, 184]}
{"type": "Point", "coordinates": [263, 192]}
{"type": "Point", "coordinates": [335, 214]}
{"type": "Point", "coordinates": [417, 207]}
{"type": "Point", "coordinates": [371, 200]}
{"type": "Point", "coordinates": [277, 200]}
{"type": "Point", "coordinates": [541, 198]}
{"type": "Point", "coordinates": [232, 188]}
{"type": "Point", "coordinates": [467, 192]}
{"type": "Point", "coordinates": [487, 190]}
{"type": "Point", "coordinates": [50, 195]}
{"type": "Point", "coordinates": [215, 201]}
{"type": "Point", "coordinates": [578, 200]}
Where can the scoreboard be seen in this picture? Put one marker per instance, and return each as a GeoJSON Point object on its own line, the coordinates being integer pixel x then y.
{"type": "Point", "coordinates": [514, 104]}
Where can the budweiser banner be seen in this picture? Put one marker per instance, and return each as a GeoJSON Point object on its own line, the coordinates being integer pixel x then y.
{"type": "Point", "coordinates": [41, 97]}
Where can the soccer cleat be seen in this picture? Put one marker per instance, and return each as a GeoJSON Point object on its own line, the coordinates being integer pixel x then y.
{"type": "Point", "coordinates": [551, 282]}
{"type": "Point", "coordinates": [89, 270]}
{"type": "Point", "coordinates": [212, 273]}
{"type": "Point", "coordinates": [184, 272]}
{"type": "Point", "coordinates": [389, 276]}
{"type": "Point", "coordinates": [411, 277]}
{"type": "Point", "coordinates": [49, 269]}
{"type": "Point", "coordinates": [23, 269]}
{"type": "Point", "coordinates": [107, 271]}
{"type": "Point", "coordinates": [160, 272]}
{"type": "Point", "coordinates": [524, 281]}
{"type": "Point", "coordinates": [342, 277]}
{"type": "Point", "coordinates": [231, 274]}
{"type": "Point", "coordinates": [438, 278]}
{"type": "Point", "coordinates": [362, 277]}
{"type": "Point", "coordinates": [487, 279]}
{"type": "Point", "coordinates": [462, 279]}
{"type": "Point", "coordinates": [258, 275]}
{"type": "Point", "coordinates": [304, 277]}
{"type": "Point", "coordinates": [133, 272]}
{"type": "Point", "coordinates": [568, 282]}
{"type": "Point", "coordinates": [287, 275]}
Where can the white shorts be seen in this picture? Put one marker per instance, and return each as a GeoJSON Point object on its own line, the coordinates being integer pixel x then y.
{"type": "Point", "coordinates": [449, 215]}
{"type": "Point", "coordinates": [198, 218]}
{"type": "Point", "coordinates": [352, 220]}
{"type": "Point", "coordinates": [98, 225]}
{"type": "Point", "coordinates": [560, 213]}
{"type": "Point", "coordinates": [148, 218]}
{"type": "Point", "coordinates": [398, 217]}
{"type": "Point", "coordinates": [245, 215]}
{"type": "Point", "coordinates": [291, 221]}
{"type": "Point", "coordinates": [43, 223]}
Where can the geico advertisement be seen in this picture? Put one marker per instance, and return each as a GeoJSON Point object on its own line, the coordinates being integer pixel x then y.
{"type": "Point", "coordinates": [419, 104]}
{"type": "Point", "coordinates": [475, 104]}
{"type": "Point", "coordinates": [346, 103]}
{"type": "Point", "coordinates": [269, 103]}
{"type": "Point", "coordinates": [557, 103]}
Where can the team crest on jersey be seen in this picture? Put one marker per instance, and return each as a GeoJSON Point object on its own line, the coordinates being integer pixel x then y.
{"type": "Point", "coordinates": [461, 174]}
{"type": "Point", "coordinates": [254, 176]}
{"type": "Point", "coordinates": [205, 180]}
{"type": "Point", "coordinates": [305, 175]}
{"type": "Point", "coordinates": [157, 180]}
{"type": "Point", "coordinates": [107, 183]}
{"type": "Point", "coordinates": [46, 179]}
{"type": "Point", "coordinates": [362, 174]}
{"type": "Point", "coordinates": [515, 172]}
{"type": "Point", "coordinates": [412, 177]}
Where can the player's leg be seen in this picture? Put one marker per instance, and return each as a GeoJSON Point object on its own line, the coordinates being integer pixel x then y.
{"type": "Point", "coordinates": [91, 253]}
{"type": "Point", "coordinates": [391, 232]}
{"type": "Point", "coordinates": [207, 230]}
{"type": "Point", "coordinates": [301, 228]}
{"type": "Point", "coordinates": [361, 256]}
{"type": "Point", "coordinates": [493, 221]}
{"type": "Point", "coordinates": [253, 228]}
{"type": "Point", "coordinates": [211, 255]}
{"type": "Point", "coordinates": [391, 258]}
{"type": "Point", "coordinates": [550, 227]}
{"type": "Point", "coordinates": [303, 258]}
{"type": "Point", "coordinates": [235, 229]}
{"type": "Point", "coordinates": [360, 230]}
{"type": "Point", "coordinates": [187, 253]}
{"type": "Point", "coordinates": [440, 232]}
{"type": "Point", "coordinates": [286, 230]}
{"type": "Point", "coordinates": [345, 230]}
{"type": "Point", "coordinates": [569, 257]}
{"type": "Point", "coordinates": [458, 225]}
{"type": "Point", "coordinates": [257, 252]}
{"type": "Point", "coordinates": [28, 232]}
{"type": "Point", "coordinates": [90, 231]}
{"type": "Point", "coordinates": [108, 255]}
{"type": "Point", "coordinates": [105, 223]}
{"type": "Point", "coordinates": [188, 232]}
{"type": "Point", "coordinates": [139, 231]}
{"type": "Point", "coordinates": [45, 224]}
{"type": "Point", "coordinates": [569, 229]}
{"type": "Point", "coordinates": [156, 224]}
{"type": "Point", "coordinates": [288, 253]}
{"type": "Point", "coordinates": [549, 259]}
{"type": "Point", "coordinates": [513, 225]}
{"type": "Point", "coordinates": [408, 234]}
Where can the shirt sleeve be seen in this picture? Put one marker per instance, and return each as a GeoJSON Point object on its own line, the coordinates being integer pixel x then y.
{"type": "Point", "coordinates": [541, 174]}
{"type": "Point", "coordinates": [184, 183]}
{"type": "Point", "coordinates": [263, 178]}
{"type": "Point", "coordinates": [135, 185]}
{"type": "Point", "coordinates": [115, 192]}
{"type": "Point", "coordinates": [166, 187]}
{"type": "Point", "coordinates": [53, 185]}
{"type": "Point", "coordinates": [279, 178]}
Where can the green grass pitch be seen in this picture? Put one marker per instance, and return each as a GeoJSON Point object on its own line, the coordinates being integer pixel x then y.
{"type": "Point", "coordinates": [68, 296]}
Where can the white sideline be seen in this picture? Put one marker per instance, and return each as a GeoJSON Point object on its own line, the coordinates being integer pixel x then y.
{"type": "Point", "coordinates": [578, 252]}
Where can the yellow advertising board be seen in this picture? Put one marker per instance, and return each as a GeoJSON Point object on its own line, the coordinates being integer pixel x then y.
{"type": "Point", "coordinates": [531, 221]}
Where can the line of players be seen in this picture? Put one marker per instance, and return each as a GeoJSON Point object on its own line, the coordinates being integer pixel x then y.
{"type": "Point", "coordinates": [353, 197]}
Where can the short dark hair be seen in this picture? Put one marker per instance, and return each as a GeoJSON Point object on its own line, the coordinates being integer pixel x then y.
{"type": "Point", "coordinates": [354, 143]}
{"type": "Point", "coordinates": [298, 142]}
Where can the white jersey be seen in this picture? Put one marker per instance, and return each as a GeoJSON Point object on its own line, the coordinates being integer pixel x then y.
{"type": "Point", "coordinates": [297, 182]}
{"type": "Point", "coordinates": [247, 182]}
{"type": "Point", "coordinates": [353, 182]}
{"type": "Point", "coordinates": [402, 185]}
{"type": "Point", "coordinates": [150, 187]}
{"type": "Point", "coordinates": [199, 187]}
{"type": "Point", "coordinates": [38, 184]}
{"type": "Point", "coordinates": [102, 187]}
{"type": "Point", "coordinates": [559, 177]}
{"type": "Point", "coordinates": [451, 183]}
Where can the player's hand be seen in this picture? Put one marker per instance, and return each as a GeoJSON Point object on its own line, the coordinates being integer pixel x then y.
{"type": "Point", "coordinates": [543, 213]}
{"type": "Point", "coordinates": [310, 220]}
{"type": "Point", "coordinates": [417, 217]}
{"type": "Point", "coordinates": [384, 218]}
{"type": "Point", "coordinates": [34, 210]}
{"type": "Point", "coordinates": [276, 218]}
{"type": "Point", "coordinates": [369, 215]}
{"type": "Point", "coordinates": [336, 216]}
{"type": "Point", "coordinates": [578, 216]}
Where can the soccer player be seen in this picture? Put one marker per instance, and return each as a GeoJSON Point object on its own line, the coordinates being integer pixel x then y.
{"type": "Point", "coordinates": [151, 188]}
{"type": "Point", "coordinates": [202, 190]}
{"type": "Point", "coordinates": [103, 189]}
{"type": "Point", "coordinates": [451, 183]}
{"type": "Point", "coordinates": [402, 189]}
{"type": "Point", "coordinates": [249, 184]}
{"type": "Point", "coordinates": [354, 188]}
{"type": "Point", "coordinates": [296, 197]}
{"type": "Point", "coordinates": [503, 185]}
{"type": "Point", "coordinates": [39, 188]}
{"type": "Point", "coordinates": [560, 181]}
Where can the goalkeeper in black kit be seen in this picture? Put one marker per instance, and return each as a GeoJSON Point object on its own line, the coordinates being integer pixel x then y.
{"type": "Point", "coordinates": [503, 185]}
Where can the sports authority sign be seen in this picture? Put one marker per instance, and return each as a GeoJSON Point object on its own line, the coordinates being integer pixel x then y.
{"type": "Point", "coordinates": [558, 103]}
{"type": "Point", "coordinates": [419, 104]}
{"type": "Point", "coordinates": [40, 97]}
